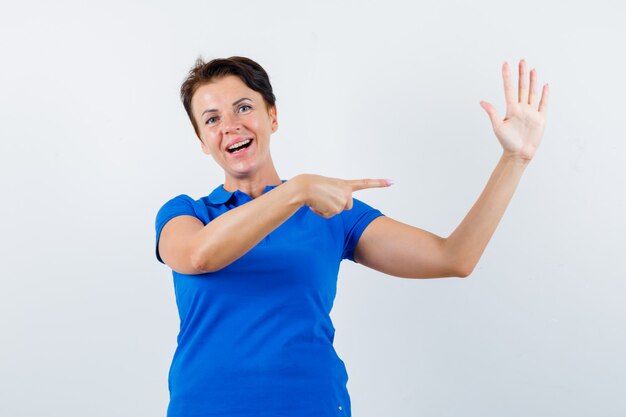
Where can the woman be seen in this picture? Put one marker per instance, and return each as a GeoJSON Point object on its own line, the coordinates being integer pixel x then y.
{"type": "Point", "coordinates": [255, 262]}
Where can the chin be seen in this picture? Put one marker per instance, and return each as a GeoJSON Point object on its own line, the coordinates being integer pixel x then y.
{"type": "Point", "coordinates": [242, 172]}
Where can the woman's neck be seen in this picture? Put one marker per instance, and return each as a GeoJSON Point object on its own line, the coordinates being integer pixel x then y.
{"type": "Point", "coordinates": [253, 185]}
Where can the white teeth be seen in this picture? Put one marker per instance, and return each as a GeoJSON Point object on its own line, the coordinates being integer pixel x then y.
{"type": "Point", "coordinates": [239, 144]}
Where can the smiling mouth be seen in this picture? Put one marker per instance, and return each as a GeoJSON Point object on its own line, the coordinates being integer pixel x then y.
{"type": "Point", "coordinates": [239, 148]}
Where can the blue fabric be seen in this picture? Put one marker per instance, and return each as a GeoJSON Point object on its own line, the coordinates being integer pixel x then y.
{"type": "Point", "coordinates": [256, 338]}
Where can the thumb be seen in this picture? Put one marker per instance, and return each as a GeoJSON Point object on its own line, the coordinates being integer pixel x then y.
{"type": "Point", "coordinates": [492, 113]}
{"type": "Point", "coordinates": [349, 204]}
{"type": "Point", "coordinates": [316, 212]}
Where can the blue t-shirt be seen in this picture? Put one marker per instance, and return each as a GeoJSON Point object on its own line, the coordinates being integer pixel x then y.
{"type": "Point", "coordinates": [256, 338]}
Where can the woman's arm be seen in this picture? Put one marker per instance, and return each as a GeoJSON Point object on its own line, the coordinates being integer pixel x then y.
{"type": "Point", "coordinates": [406, 251]}
{"type": "Point", "coordinates": [232, 234]}
{"type": "Point", "coordinates": [189, 247]}
{"type": "Point", "coordinates": [466, 244]}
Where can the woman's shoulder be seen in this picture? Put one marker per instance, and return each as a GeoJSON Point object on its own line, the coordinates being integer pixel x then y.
{"type": "Point", "coordinates": [184, 204]}
{"type": "Point", "coordinates": [180, 200]}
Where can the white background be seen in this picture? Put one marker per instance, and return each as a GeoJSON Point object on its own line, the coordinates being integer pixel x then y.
{"type": "Point", "coordinates": [94, 140]}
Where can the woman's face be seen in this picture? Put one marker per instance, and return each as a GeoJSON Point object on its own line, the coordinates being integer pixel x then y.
{"type": "Point", "coordinates": [228, 112]}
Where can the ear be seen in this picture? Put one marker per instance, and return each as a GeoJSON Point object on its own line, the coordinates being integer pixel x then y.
{"type": "Point", "coordinates": [273, 118]}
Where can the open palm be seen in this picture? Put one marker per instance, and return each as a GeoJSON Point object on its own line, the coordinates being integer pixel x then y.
{"type": "Point", "coordinates": [521, 129]}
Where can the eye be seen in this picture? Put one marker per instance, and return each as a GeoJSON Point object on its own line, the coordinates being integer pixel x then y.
{"type": "Point", "coordinates": [210, 120]}
{"type": "Point", "coordinates": [244, 106]}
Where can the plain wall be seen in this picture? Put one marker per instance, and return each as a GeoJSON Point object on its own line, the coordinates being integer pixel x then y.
{"type": "Point", "coordinates": [94, 139]}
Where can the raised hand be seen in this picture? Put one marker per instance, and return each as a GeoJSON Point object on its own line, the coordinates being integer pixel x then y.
{"type": "Point", "coordinates": [521, 129]}
{"type": "Point", "coordinates": [327, 196]}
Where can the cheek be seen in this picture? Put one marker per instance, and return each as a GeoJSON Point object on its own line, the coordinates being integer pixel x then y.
{"type": "Point", "coordinates": [210, 143]}
{"type": "Point", "coordinates": [210, 137]}
{"type": "Point", "coordinates": [251, 123]}
{"type": "Point", "coordinates": [258, 122]}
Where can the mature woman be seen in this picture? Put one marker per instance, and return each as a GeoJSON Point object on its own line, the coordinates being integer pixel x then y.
{"type": "Point", "coordinates": [255, 262]}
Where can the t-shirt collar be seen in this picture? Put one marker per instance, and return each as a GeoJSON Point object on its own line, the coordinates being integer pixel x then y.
{"type": "Point", "coordinates": [220, 195]}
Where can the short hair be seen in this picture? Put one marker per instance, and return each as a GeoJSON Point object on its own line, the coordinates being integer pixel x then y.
{"type": "Point", "coordinates": [250, 72]}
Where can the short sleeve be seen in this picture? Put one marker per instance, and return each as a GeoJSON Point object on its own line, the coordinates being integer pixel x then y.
{"type": "Point", "coordinates": [355, 221]}
{"type": "Point", "coordinates": [178, 206]}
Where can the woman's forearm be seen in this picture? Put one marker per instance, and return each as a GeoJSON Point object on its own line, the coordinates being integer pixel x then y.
{"type": "Point", "coordinates": [232, 234]}
{"type": "Point", "coordinates": [467, 243]}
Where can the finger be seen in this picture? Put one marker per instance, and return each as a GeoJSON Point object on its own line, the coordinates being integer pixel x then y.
{"type": "Point", "coordinates": [369, 183]}
{"type": "Point", "coordinates": [508, 87]}
{"type": "Point", "coordinates": [321, 214]}
{"type": "Point", "coordinates": [315, 211]}
{"type": "Point", "coordinates": [545, 94]}
{"type": "Point", "coordinates": [532, 98]}
{"type": "Point", "coordinates": [492, 113]}
{"type": "Point", "coordinates": [523, 87]}
{"type": "Point", "coordinates": [349, 204]}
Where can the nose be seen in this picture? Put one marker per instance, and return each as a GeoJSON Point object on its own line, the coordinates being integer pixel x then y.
{"type": "Point", "coordinates": [230, 124]}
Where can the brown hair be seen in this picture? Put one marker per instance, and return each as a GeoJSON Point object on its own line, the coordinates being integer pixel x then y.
{"type": "Point", "coordinates": [250, 72]}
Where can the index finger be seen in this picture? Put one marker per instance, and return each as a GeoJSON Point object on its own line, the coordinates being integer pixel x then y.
{"type": "Point", "coordinates": [508, 87]}
{"type": "Point", "coordinates": [369, 183]}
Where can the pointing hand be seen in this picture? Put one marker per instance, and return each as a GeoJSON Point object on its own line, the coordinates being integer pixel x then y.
{"type": "Point", "coordinates": [327, 196]}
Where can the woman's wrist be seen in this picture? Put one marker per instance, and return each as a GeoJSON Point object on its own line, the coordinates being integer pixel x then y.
{"type": "Point", "coordinates": [516, 158]}
{"type": "Point", "coordinates": [297, 187]}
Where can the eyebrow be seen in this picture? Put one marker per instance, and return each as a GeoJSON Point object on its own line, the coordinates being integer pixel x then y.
{"type": "Point", "coordinates": [234, 104]}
